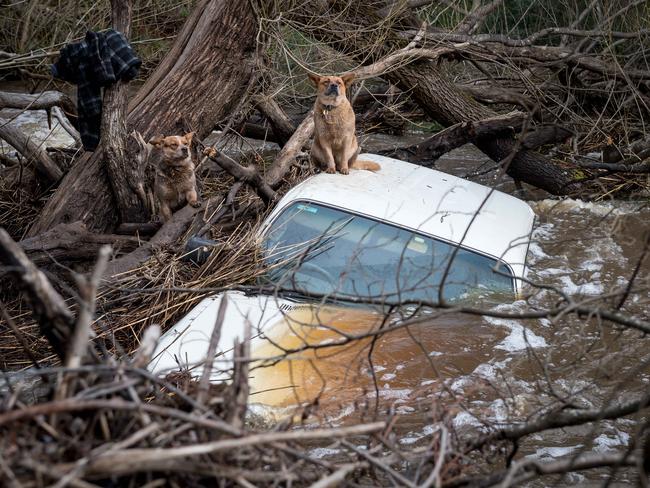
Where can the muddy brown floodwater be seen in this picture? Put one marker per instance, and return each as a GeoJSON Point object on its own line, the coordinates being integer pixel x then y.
{"type": "Point", "coordinates": [492, 371]}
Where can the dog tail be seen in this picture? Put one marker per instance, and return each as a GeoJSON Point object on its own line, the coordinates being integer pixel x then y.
{"type": "Point", "coordinates": [368, 165]}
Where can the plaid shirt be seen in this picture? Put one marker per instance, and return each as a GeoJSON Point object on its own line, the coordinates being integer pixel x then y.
{"type": "Point", "coordinates": [99, 60]}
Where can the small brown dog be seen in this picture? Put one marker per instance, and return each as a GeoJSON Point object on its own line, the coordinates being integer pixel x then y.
{"type": "Point", "coordinates": [335, 143]}
{"type": "Point", "coordinates": [175, 182]}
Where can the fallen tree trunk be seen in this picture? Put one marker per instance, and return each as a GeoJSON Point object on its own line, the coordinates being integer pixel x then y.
{"type": "Point", "coordinates": [39, 101]}
{"type": "Point", "coordinates": [460, 134]}
{"type": "Point", "coordinates": [168, 234]}
{"type": "Point", "coordinates": [455, 136]}
{"type": "Point", "coordinates": [55, 320]}
{"type": "Point", "coordinates": [71, 242]}
{"type": "Point", "coordinates": [197, 84]}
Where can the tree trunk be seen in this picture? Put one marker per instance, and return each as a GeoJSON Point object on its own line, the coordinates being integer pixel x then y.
{"type": "Point", "coordinates": [126, 178]}
{"type": "Point", "coordinates": [196, 85]}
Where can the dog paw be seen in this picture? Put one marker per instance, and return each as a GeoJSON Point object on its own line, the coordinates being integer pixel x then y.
{"type": "Point", "coordinates": [330, 171]}
{"type": "Point", "coordinates": [345, 171]}
{"type": "Point", "coordinates": [195, 204]}
{"type": "Point", "coordinates": [210, 152]}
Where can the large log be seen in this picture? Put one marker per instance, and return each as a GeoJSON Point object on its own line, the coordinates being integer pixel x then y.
{"type": "Point", "coordinates": [72, 242]}
{"type": "Point", "coordinates": [39, 101]}
{"type": "Point", "coordinates": [200, 80]}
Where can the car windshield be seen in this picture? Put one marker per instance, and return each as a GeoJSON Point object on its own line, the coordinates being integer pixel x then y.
{"type": "Point", "coordinates": [314, 249]}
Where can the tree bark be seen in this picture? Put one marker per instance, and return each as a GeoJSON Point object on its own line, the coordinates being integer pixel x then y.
{"type": "Point", "coordinates": [196, 85]}
{"type": "Point", "coordinates": [126, 178]}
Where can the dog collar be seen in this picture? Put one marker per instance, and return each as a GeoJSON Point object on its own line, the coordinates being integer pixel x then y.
{"type": "Point", "coordinates": [326, 113]}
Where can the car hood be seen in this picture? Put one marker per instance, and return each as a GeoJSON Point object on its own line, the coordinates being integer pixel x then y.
{"type": "Point", "coordinates": [299, 350]}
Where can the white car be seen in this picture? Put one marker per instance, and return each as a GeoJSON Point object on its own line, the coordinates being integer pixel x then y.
{"type": "Point", "coordinates": [340, 249]}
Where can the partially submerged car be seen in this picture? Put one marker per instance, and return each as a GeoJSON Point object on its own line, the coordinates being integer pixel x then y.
{"type": "Point", "coordinates": [340, 251]}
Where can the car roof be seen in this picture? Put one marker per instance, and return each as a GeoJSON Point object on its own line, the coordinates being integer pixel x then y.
{"type": "Point", "coordinates": [432, 202]}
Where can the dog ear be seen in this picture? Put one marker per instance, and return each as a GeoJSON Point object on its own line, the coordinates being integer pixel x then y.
{"type": "Point", "coordinates": [156, 140]}
{"type": "Point", "coordinates": [189, 137]}
{"type": "Point", "coordinates": [348, 78]}
{"type": "Point", "coordinates": [315, 79]}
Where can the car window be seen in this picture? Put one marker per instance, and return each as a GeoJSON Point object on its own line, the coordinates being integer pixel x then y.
{"type": "Point", "coordinates": [317, 249]}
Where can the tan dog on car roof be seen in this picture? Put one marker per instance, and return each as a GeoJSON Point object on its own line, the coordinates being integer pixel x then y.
{"type": "Point", "coordinates": [175, 182]}
{"type": "Point", "coordinates": [335, 144]}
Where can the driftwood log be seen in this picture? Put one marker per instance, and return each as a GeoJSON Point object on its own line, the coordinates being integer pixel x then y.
{"type": "Point", "coordinates": [460, 134]}
{"type": "Point", "coordinates": [39, 101]}
{"type": "Point", "coordinates": [455, 136]}
{"type": "Point", "coordinates": [55, 320]}
{"type": "Point", "coordinates": [73, 242]}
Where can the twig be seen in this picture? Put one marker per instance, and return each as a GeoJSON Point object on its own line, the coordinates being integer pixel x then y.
{"type": "Point", "coordinates": [337, 477]}
{"type": "Point", "coordinates": [87, 292]}
{"type": "Point", "coordinates": [204, 382]}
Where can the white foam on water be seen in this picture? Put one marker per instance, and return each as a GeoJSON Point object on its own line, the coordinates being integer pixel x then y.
{"type": "Point", "coordinates": [466, 419]}
{"type": "Point", "coordinates": [604, 443]}
{"type": "Point", "coordinates": [344, 412]}
{"type": "Point", "coordinates": [404, 410]}
{"type": "Point", "coordinates": [543, 232]}
{"type": "Point", "coordinates": [34, 124]}
{"type": "Point", "coordinates": [535, 253]}
{"type": "Point", "coordinates": [570, 288]}
{"type": "Point", "coordinates": [520, 337]}
{"type": "Point", "coordinates": [392, 393]}
{"type": "Point", "coordinates": [486, 371]}
{"type": "Point", "coordinates": [413, 437]}
{"type": "Point", "coordinates": [573, 206]}
{"type": "Point", "coordinates": [460, 383]}
{"type": "Point", "coordinates": [554, 452]}
{"type": "Point", "coordinates": [553, 272]}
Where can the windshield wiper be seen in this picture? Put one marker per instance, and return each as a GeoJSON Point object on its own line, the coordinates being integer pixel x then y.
{"type": "Point", "coordinates": [295, 294]}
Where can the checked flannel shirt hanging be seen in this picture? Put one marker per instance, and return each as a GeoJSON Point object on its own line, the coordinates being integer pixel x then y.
{"type": "Point", "coordinates": [99, 60]}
